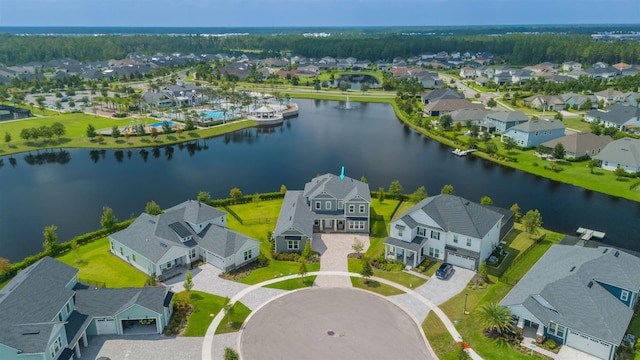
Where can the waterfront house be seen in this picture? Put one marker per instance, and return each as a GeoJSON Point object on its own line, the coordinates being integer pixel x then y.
{"type": "Point", "coordinates": [46, 312]}
{"type": "Point", "coordinates": [327, 204]}
{"type": "Point", "coordinates": [580, 144]}
{"type": "Point", "coordinates": [440, 94]}
{"type": "Point", "coordinates": [445, 106]}
{"type": "Point", "coordinates": [463, 116]}
{"type": "Point", "coordinates": [162, 245]}
{"type": "Point", "coordinates": [580, 297]}
{"type": "Point", "coordinates": [504, 120]}
{"type": "Point", "coordinates": [535, 132]}
{"type": "Point", "coordinates": [447, 228]}
{"type": "Point", "coordinates": [623, 118]}
{"type": "Point", "coordinates": [622, 153]}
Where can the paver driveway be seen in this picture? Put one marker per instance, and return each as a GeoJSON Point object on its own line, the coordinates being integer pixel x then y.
{"type": "Point", "coordinates": [333, 249]}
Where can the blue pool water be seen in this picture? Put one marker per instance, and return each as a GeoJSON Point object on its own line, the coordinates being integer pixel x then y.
{"type": "Point", "coordinates": [213, 114]}
{"type": "Point", "coordinates": [160, 124]}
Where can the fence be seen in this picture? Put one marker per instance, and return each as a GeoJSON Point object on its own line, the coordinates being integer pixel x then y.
{"type": "Point", "coordinates": [99, 284]}
{"type": "Point", "coordinates": [513, 281]}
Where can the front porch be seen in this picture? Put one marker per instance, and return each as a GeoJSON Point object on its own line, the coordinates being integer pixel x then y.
{"type": "Point", "coordinates": [409, 253]}
{"type": "Point", "coordinates": [174, 271]}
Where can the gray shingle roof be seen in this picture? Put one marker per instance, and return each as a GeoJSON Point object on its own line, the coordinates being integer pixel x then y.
{"type": "Point", "coordinates": [539, 125]}
{"type": "Point", "coordinates": [196, 212]}
{"type": "Point", "coordinates": [561, 277]}
{"type": "Point", "coordinates": [617, 114]}
{"type": "Point", "coordinates": [344, 189]}
{"type": "Point", "coordinates": [469, 114]}
{"type": "Point", "coordinates": [110, 302]}
{"type": "Point", "coordinates": [415, 245]}
{"type": "Point", "coordinates": [625, 151]}
{"type": "Point", "coordinates": [456, 214]}
{"type": "Point", "coordinates": [222, 242]}
{"type": "Point", "coordinates": [295, 213]}
{"type": "Point", "coordinates": [508, 116]}
{"type": "Point", "coordinates": [580, 143]}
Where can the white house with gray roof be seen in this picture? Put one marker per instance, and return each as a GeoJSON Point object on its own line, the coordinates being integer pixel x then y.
{"type": "Point", "coordinates": [447, 228]}
{"type": "Point", "coordinates": [327, 204]}
{"type": "Point", "coordinates": [581, 297]}
{"type": "Point", "coordinates": [623, 118]}
{"type": "Point", "coordinates": [534, 132]}
{"type": "Point", "coordinates": [183, 234]}
{"type": "Point", "coordinates": [46, 313]}
{"type": "Point", "coordinates": [622, 153]}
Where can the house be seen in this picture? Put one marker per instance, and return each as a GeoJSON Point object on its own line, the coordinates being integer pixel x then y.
{"type": "Point", "coordinates": [327, 203]}
{"type": "Point", "coordinates": [485, 71]}
{"type": "Point", "coordinates": [46, 312]}
{"type": "Point", "coordinates": [467, 72]}
{"type": "Point", "coordinates": [545, 102]}
{"type": "Point", "coordinates": [623, 118]}
{"type": "Point", "coordinates": [447, 228]}
{"type": "Point", "coordinates": [445, 106]}
{"type": "Point", "coordinates": [571, 65]}
{"type": "Point", "coordinates": [578, 296]}
{"type": "Point", "coordinates": [603, 73]}
{"type": "Point", "coordinates": [577, 101]}
{"type": "Point", "coordinates": [440, 94]}
{"type": "Point", "coordinates": [535, 132]}
{"type": "Point", "coordinates": [475, 116]}
{"type": "Point", "coordinates": [162, 244]}
{"type": "Point", "coordinates": [504, 120]}
{"type": "Point", "coordinates": [184, 94]}
{"type": "Point", "coordinates": [580, 144]}
{"type": "Point", "coordinates": [502, 78]}
{"type": "Point", "coordinates": [520, 76]}
{"type": "Point", "coordinates": [622, 153]}
{"type": "Point", "coordinates": [609, 96]}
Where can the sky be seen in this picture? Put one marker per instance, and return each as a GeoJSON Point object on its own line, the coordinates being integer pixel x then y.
{"type": "Point", "coordinates": [280, 13]}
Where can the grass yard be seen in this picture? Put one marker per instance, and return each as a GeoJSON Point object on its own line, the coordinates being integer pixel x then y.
{"type": "Point", "coordinates": [240, 314]}
{"type": "Point", "coordinates": [439, 338]}
{"type": "Point", "coordinates": [276, 269]}
{"type": "Point", "coordinates": [577, 124]}
{"type": "Point", "coordinates": [400, 277]}
{"type": "Point", "coordinates": [518, 270]}
{"type": "Point", "coordinates": [293, 284]}
{"type": "Point", "coordinates": [205, 307]}
{"type": "Point", "coordinates": [403, 208]}
{"type": "Point", "coordinates": [98, 264]}
{"type": "Point", "coordinates": [517, 241]}
{"type": "Point", "coordinates": [384, 209]}
{"type": "Point", "coordinates": [376, 287]}
{"type": "Point", "coordinates": [259, 220]}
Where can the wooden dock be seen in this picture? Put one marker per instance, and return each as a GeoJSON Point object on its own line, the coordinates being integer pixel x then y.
{"type": "Point", "coordinates": [587, 234]}
{"type": "Point", "coordinates": [460, 152]}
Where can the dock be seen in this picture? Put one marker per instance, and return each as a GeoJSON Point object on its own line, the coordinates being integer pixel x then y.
{"type": "Point", "coordinates": [587, 234]}
{"type": "Point", "coordinates": [460, 152]}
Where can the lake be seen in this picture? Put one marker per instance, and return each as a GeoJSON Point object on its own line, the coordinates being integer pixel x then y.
{"type": "Point", "coordinates": [68, 188]}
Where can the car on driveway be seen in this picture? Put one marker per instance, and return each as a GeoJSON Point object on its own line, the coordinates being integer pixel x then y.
{"type": "Point", "coordinates": [444, 271]}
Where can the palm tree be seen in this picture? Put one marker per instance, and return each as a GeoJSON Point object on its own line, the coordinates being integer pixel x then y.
{"type": "Point", "coordinates": [495, 317]}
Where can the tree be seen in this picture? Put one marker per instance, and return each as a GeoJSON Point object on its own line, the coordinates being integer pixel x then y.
{"type": "Point", "coordinates": [619, 173]}
{"type": "Point", "coordinates": [152, 208]}
{"type": "Point", "coordinates": [457, 127]}
{"type": "Point", "coordinates": [483, 271]}
{"type": "Point", "coordinates": [235, 193]}
{"type": "Point", "coordinates": [363, 179]}
{"type": "Point", "coordinates": [593, 163]}
{"type": "Point", "coordinates": [532, 221]}
{"type": "Point", "coordinates": [495, 317]}
{"type": "Point", "coordinates": [166, 128]}
{"type": "Point", "coordinates": [204, 197]}
{"type": "Point", "coordinates": [302, 268]}
{"type": "Point", "coordinates": [509, 143]}
{"type": "Point", "coordinates": [492, 103]}
{"type": "Point", "coordinates": [154, 133]}
{"type": "Point", "coordinates": [486, 200]}
{"type": "Point", "coordinates": [307, 252]}
{"type": "Point", "coordinates": [516, 210]}
{"type": "Point", "coordinates": [188, 281]}
{"type": "Point", "coordinates": [108, 220]}
{"type": "Point", "coordinates": [7, 138]}
{"type": "Point", "coordinates": [91, 131]}
{"type": "Point", "coordinates": [58, 129]}
{"type": "Point", "coordinates": [419, 194]}
{"type": "Point", "coordinates": [50, 239]}
{"type": "Point", "coordinates": [491, 147]}
{"type": "Point", "coordinates": [596, 128]}
{"type": "Point", "coordinates": [381, 194]}
{"type": "Point", "coordinates": [395, 189]}
{"type": "Point", "coordinates": [447, 189]}
{"type": "Point", "coordinates": [75, 247]}
{"type": "Point", "coordinates": [358, 245]}
{"type": "Point", "coordinates": [188, 125]}
{"type": "Point", "coordinates": [558, 151]}
{"type": "Point", "coordinates": [446, 121]}
{"type": "Point", "coordinates": [4, 265]}
{"type": "Point", "coordinates": [283, 188]}
{"type": "Point", "coordinates": [228, 310]}
{"type": "Point", "coordinates": [115, 132]}
{"type": "Point", "coordinates": [366, 270]}
{"type": "Point", "coordinates": [230, 354]}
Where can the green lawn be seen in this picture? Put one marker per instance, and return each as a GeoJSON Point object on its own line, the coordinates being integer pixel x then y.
{"type": "Point", "coordinates": [403, 208]}
{"type": "Point", "coordinates": [259, 220]}
{"type": "Point", "coordinates": [516, 241]}
{"type": "Point", "coordinates": [276, 269]}
{"type": "Point", "coordinates": [577, 124]}
{"type": "Point", "coordinates": [98, 264]}
{"type": "Point", "coordinates": [520, 269]}
{"type": "Point", "coordinates": [376, 287]}
{"type": "Point", "coordinates": [439, 338]}
{"type": "Point", "coordinates": [400, 277]}
{"type": "Point", "coordinates": [240, 314]}
{"type": "Point", "coordinates": [293, 284]}
{"type": "Point", "coordinates": [205, 307]}
{"type": "Point", "coordinates": [384, 209]}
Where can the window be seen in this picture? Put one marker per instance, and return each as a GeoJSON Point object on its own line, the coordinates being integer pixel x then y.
{"type": "Point", "coordinates": [248, 255]}
{"type": "Point", "coordinates": [556, 329]}
{"type": "Point", "coordinates": [59, 316]}
{"type": "Point", "coordinates": [168, 264]}
{"type": "Point", "coordinates": [399, 233]}
{"type": "Point", "coordinates": [192, 253]}
{"type": "Point", "coordinates": [340, 205]}
{"type": "Point", "coordinates": [55, 347]}
{"type": "Point", "coordinates": [327, 205]}
{"type": "Point", "coordinates": [68, 308]}
{"type": "Point", "coordinates": [352, 208]}
{"type": "Point", "coordinates": [433, 252]}
{"type": "Point", "coordinates": [133, 256]}
{"type": "Point", "coordinates": [121, 252]}
{"type": "Point", "coordinates": [317, 205]}
{"type": "Point", "coordinates": [316, 222]}
{"type": "Point", "coordinates": [455, 239]}
{"type": "Point", "coordinates": [361, 208]}
{"type": "Point", "coordinates": [435, 235]}
{"type": "Point", "coordinates": [624, 296]}
{"type": "Point", "coordinates": [536, 133]}
{"type": "Point", "coordinates": [422, 231]}
{"type": "Point", "coordinates": [468, 242]}
{"type": "Point", "coordinates": [293, 244]}
{"type": "Point", "coordinates": [360, 225]}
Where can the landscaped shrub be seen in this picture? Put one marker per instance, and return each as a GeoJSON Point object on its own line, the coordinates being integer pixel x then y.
{"type": "Point", "coordinates": [387, 265]}
{"type": "Point", "coordinates": [550, 344]}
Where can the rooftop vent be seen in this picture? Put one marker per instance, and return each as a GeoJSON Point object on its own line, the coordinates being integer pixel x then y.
{"type": "Point", "coordinates": [590, 284]}
{"type": "Point", "coordinates": [163, 245]}
{"type": "Point", "coordinates": [31, 332]}
{"type": "Point", "coordinates": [605, 250]}
{"type": "Point", "coordinates": [573, 268]}
{"type": "Point", "coordinates": [617, 254]}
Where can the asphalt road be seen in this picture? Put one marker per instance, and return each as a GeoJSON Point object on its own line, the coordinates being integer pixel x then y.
{"type": "Point", "coordinates": [332, 323]}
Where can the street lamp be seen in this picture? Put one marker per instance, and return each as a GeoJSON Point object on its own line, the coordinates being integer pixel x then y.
{"type": "Point", "coordinates": [465, 303]}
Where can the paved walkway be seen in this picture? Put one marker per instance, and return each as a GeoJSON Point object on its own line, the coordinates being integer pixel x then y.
{"type": "Point", "coordinates": [334, 249]}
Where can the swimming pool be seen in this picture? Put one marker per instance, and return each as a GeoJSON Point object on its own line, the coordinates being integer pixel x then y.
{"type": "Point", "coordinates": [217, 114]}
{"type": "Point", "coordinates": [160, 124]}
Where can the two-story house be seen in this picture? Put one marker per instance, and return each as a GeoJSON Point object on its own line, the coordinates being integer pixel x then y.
{"type": "Point", "coordinates": [503, 120]}
{"type": "Point", "coordinates": [328, 203]}
{"type": "Point", "coordinates": [535, 132]}
{"type": "Point", "coordinates": [580, 297]}
{"type": "Point", "coordinates": [447, 228]}
{"type": "Point", "coordinates": [161, 244]}
{"type": "Point", "coordinates": [46, 313]}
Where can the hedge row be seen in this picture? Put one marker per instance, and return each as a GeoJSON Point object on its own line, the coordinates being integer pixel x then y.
{"type": "Point", "coordinates": [245, 199]}
{"type": "Point", "coordinates": [61, 249]}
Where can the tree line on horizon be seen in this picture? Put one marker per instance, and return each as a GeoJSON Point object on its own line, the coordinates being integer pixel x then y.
{"type": "Point", "coordinates": [516, 49]}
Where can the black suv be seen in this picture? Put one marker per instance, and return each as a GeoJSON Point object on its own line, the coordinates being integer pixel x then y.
{"type": "Point", "coordinates": [444, 271]}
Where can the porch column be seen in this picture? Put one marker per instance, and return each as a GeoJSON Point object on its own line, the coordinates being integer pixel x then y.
{"type": "Point", "coordinates": [386, 251]}
{"type": "Point", "coordinates": [77, 350]}
{"type": "Point", "coordinates": [335, 225]}
{"type": "Point", "coordinates": [84, 339]}
{"type": "Point", "coordinates": [405, 256]}
{"type": "Point", "coordinates": [520, 324]}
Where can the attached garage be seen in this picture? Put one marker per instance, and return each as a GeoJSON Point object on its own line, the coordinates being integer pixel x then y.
{"type": "Point", "coordinates": [106, 326]}
{"type": "Point", "coordinates": [139, 327]}
{"type": "Point", "coordinates": [589, 345]}
{"type": "Point", "coordinates": [462, 261]}
{"type": "Point", "coordinates": [215, 260]}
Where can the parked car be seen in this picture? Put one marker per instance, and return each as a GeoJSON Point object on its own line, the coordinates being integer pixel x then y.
{"type": "Point", "coordinates": [444, 271]}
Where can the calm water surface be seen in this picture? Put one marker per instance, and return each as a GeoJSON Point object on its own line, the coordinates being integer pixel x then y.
{"type": "Point", "coordinates": [68, 188]}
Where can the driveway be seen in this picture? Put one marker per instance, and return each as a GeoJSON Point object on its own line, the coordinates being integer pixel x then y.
{"type": "Point", "coordinates": [142, 347]}
{"type": "Point", "coordinates": [333, 249]}
{"type": "Point", "coordinates": [205, 278]}
{"type": "Point", "coordinates": [438, 291]}
{"type": "Point", "coordinates": [569, 353]}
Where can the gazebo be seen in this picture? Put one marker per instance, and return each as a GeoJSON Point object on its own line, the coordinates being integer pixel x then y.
{"type": "Point", "coordinates": [265, 112]}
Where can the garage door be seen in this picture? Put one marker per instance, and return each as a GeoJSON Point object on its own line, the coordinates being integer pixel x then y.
{"type": "Point", "coordinates": [106, 326]}
{"type": "Point", "coordinates": [463, 262]}
{"type": "Point", "coordinates": [215, 260]}
{"type": "Point", "coordinates": [589, 345]}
